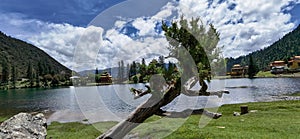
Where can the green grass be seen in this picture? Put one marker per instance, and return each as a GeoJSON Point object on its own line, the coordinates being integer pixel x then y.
{"type": "Point", "coordinates": [3, 118]}
{"type": "Point", "coordinates": [272, 120]}
{"type": "Point", "coordinates": [279, 119]}
{"type": "Point", "coordinates": [295, 94]}
{"type": "Point", "coordinates": [76, 130]}
{"type": "Point", "coordinates": [264, 74]}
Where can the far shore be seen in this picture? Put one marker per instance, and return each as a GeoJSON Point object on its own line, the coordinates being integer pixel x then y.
{"type": "Point", "coordinates": [263, 75]}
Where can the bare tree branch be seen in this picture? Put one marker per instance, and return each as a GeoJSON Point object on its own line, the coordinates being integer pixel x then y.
{"type": "Point", "coordinates": [187, 113]}
{"type": "Point", "coordinates": [191, 82]}
{"type": "Point", "coordinates": [139, 93]}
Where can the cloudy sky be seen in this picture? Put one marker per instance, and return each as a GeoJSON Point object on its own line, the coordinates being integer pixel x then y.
{"type": "Point", "coordinates": [98, 33]}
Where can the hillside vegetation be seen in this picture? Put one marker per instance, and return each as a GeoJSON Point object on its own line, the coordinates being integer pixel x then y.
{"type": "Point", "coordinates": [283, 49]}
{"type": "Point", "coordinates": [19, 59]}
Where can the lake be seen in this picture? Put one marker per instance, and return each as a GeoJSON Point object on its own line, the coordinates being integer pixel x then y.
{"type": "Point", "coordinates": [114, 102]}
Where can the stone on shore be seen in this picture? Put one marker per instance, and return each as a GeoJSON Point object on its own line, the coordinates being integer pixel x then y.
{"type": "Point", "coordinates": [25, 126]}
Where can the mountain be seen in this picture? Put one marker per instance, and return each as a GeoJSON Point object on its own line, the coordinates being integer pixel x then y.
{"type": "Point", "coordinates": [283, 49]}
{"type": "Point", "coordinates": [112, 71]}
{"type": "Point", "coordinates": [21, 55]}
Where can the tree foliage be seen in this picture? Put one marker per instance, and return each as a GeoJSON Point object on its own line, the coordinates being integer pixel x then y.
{"type": "Point", "coordinates": [200, 43]}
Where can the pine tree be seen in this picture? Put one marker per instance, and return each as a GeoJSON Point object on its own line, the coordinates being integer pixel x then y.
{"type": "Point", "coordinates": [14, 76]}
{"type": "Point", "coordinates": [122, 71]}
{"type": "Point", "coordinates": [30, 74]}
{"type": "Point", "coordinates": [252, 70]}
{"type": "Point", "coordinates": [5, 72]}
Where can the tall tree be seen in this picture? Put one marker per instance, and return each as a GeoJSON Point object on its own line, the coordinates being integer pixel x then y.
{"type": "Point", "coordinates": [133, 69]}
{"type": "Point", "coordinates": [14, 75]}
{"type": "Point", "coordinates": [97, 77]}
{"type": "Point", "coordinates": [128, 71]}
{"type": "Point", "coordinates": [5, 72]}
{"type": "Point", "coordinates": [122, 71]}
{"type": "Point", "coordinates": [30, 73]}
{"type": "Point", "coordinates": [142, 71]}
{"type": "Point", "coordinates": [252, 70]}
{"type": "Point", "coordinates": [179, 35]}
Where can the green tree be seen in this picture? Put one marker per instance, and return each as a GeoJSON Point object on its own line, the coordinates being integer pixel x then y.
{"type": "Point", "coordinates": [252, 70]}
{"type": "Point", "coordinates": [14, 76]}
{"type": "Point", "coordinates": [200, 44]}
{"type": "Point", "coordinates": [122, 71]}
{"type": "Point", "coordinates": [142, 71]}
{"type": "Point", "coordinates": [97, 77]}
{"type": "Point", "coordinates": [5, 72]}
{"type": "Point", "coordinates": [30, 74]}
{"type": "Point", "coordinates": [133, 69]}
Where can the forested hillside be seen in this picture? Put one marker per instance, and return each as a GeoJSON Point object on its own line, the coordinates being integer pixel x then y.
{"type": "Point", "coordinates": [283, 49]}
{"type": "Point", "coordinates": [19, 59]}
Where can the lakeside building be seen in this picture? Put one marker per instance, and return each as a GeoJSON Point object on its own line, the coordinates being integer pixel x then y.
{"type": "Point", "coordinates": [239, 71]}
{"type": "Point", "coordinates": [278, 67]}
{"type": "Point", "coordinates": [105, 78]}
{"type": "Point", "coordinates": [294, 64]}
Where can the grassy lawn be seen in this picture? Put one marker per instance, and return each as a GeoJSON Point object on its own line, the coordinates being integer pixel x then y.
{"type": "Point", "coordinates": [295, 94]}
{"type": "Point", "coordinates": [272, 120]}
{"type": "Point", "coordinates": [279, 119]}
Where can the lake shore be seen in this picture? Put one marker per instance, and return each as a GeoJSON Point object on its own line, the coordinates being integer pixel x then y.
{"type": "Point", "coordinates": [264, 75]}
{"type": "Point", "coordinates": [258, 122]}
{"type": "Point", "coordinates": [277, 119]}
{"type": "Point", "coordinates": [67, 116]}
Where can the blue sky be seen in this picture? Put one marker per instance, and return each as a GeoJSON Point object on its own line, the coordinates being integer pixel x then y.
{"type": "Point", "coordinates": [56, 26]}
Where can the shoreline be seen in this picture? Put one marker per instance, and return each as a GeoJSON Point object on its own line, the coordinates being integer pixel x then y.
{"type": "Point", "coordinates": [291, 75]}
{"type": "Point", "coordinates": [55, 115]}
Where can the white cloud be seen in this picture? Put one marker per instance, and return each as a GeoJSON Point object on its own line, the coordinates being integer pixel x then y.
{"type": "Point", "coordinates": [245, 26]}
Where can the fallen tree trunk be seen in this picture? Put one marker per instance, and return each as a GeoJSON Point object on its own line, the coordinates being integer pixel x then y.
{"type": "Point", "coordinates": [144, 111]}
{"type": "Point", "coordinates": [152, 107]}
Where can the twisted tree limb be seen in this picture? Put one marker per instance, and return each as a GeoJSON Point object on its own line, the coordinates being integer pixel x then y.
{"type": "Point", "coordinates": [153, 107]}
{"type": "Point", "coordinates": [144, 111]}
{"type": "Point", "coordinates": [187, 113]}
{"type": "Point", "coordinates": [202, 92]}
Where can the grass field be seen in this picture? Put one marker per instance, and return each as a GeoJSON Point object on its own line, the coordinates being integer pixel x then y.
{"type": "Point", "coordinates": [280, 119]}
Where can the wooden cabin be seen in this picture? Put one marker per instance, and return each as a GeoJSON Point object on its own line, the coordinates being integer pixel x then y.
{"type": "Point", "coordinates": [277, 67]}
{"type": "Point", "coordinates": [105, 78]}
{"type": "Point", "coordinates": [294, 64]}
{"type": "Point", "coordinates": [238, 71]}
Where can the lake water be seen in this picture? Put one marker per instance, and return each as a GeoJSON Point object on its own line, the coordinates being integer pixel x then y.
{"type": "Point", "coordinates": [114, 102]}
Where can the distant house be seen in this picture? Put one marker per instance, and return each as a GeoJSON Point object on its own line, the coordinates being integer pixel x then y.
{"type": "Point", "coordinates": [238, 71]}
{"type": "Point", "coordinates": [278, 67]}
{"type": "Point", "coordinates": [75, 80]}
{"type": "Point", "coordinates": [294, 64]}
{"type": "Point", "coordinates": [105, 78]}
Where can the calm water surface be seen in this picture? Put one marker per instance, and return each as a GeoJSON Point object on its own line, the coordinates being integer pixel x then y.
{"type": "Point", "coordinates": [113, 102]}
